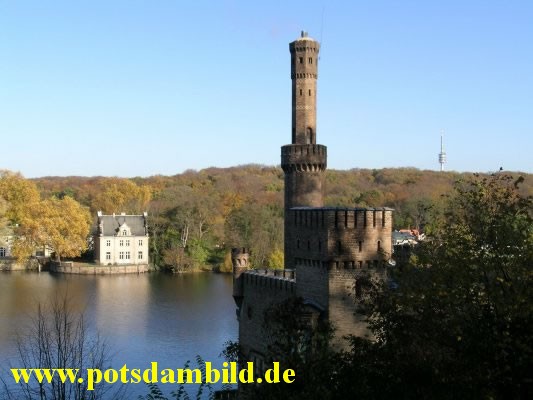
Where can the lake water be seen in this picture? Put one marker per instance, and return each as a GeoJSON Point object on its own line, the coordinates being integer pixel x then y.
{"type": "Point", "coordinates": [150, 317]}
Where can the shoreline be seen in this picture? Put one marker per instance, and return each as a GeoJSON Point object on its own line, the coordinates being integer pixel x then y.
{"type": "Point", "coordinates": [70, 267]}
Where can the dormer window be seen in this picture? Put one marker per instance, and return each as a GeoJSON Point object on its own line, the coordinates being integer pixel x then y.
{"type": "Point", "coordinates": [124, 232]}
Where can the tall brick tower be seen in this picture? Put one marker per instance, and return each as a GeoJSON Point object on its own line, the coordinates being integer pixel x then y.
{"type": "Point", "coordinates": [303, 161]}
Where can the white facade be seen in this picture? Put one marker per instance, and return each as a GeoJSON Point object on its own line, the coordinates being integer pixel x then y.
{"type": "Point", "coordinates": [5, 246]}
{"type": "Point", "coordinates": [121, 239]}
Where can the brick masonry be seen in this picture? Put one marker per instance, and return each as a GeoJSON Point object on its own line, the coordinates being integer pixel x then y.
{"type": "Point", "coordinates": [330, 252]}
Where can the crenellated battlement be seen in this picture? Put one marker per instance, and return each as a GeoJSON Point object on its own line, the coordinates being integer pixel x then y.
{"type": "Point", "coordinates": [304, 44]}
{"type": "Point", "coordinates": [303, 149]}
{"type": "Point", "coordinates": [341, 217]}
{"type": "Point", "coordinates": [341, 237]}
{"type": "Point", "coordinates": [300, 46]}
{"type": "Point", "coordinates": [284, 280]}
{"type": "Point", "coordinates": [240, 257]}
{"type": "Point", "coordinates": [303, 158]}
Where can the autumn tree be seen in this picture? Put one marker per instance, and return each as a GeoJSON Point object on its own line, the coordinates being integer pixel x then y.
{"type": "Point", "coordinates": [259, 228]}
{"type": "Point", "coordinates": [457, 322]}
{"type": "Point", "coordinates": [65, 226]}
{"type": "Point", "coordinates": [19, 196]}
{"type": "Point", "coordinates": [20, 201]}
{"type": "Point", "coordinates": [116, 195]}
{"type": "Point", "coordinates": [276, 259]}
{"type": "Point", "coordinates": [60, 224]}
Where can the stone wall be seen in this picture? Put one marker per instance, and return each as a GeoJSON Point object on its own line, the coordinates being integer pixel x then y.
{"type": "Point", "coordinates": [68, 267]}
{"type": "Point", "coordinates": [11, 264]}
{"type": "Point", "coordinates": [261, 290]}
{"type": "Point", "coordinates": [346, 289]}
{"type": "Point", "coordinates": [338, 292]}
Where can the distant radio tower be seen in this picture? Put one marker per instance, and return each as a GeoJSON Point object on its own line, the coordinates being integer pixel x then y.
{"type": "Point", "coordinates": [442, 154]}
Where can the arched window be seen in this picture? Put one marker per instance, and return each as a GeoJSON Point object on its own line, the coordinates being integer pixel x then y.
{"type": "Point", "coordinates": [309, 137]}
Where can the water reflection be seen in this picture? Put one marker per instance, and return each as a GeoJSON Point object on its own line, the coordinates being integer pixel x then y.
{"type": "Point", "coordinates": [151, 317]}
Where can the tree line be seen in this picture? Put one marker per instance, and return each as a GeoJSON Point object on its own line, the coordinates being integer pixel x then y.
{"type": "Point", "coordinates": [195, 217]}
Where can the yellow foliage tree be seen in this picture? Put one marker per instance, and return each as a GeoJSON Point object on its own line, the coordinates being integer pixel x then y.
{"type": "Point", "coordinates": [65, 226]}
{"type": "Point", "coordinates": [19, 194]}
{"type": "Point", "coordinates": [276, 259]}
{"type": "Point", "coordinates": [60, 224]}
{"type": "Point", "coordinates": [121, 195]}
{"type": "Point", "coordinates": [227, 265]}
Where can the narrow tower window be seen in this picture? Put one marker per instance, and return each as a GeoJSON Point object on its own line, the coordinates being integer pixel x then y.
{"type": "Point", "coordinates": [301, 92]}
{"type": "Point", "coordinates": [310, 60]}
{"type": "Point", "coordinates": [309, 92]}
{"type": "Point", "coordinates": [360, 246]}
{"type": "Point", "coordinates": [379, 245]}
{"type": "Point", "coordinates": [310, 139]}
{"type": "Point", "coordinates": [301, 60]}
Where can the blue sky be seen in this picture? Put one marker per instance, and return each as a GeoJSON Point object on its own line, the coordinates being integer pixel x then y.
{"type": "Point", "coordinates": [137, 88]}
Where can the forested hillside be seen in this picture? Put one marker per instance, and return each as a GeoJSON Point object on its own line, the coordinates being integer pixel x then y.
{"type": "Point", "coordinates": [196, 216]}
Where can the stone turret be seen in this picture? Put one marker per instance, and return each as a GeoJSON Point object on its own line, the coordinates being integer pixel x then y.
{"type": "Point", "coordinates": [240, 260]}
{"type": "Point", "coordinates": [303, 161]}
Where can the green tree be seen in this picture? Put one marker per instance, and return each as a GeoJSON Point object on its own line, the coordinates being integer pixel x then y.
{"type": "Point", "coordinates": [299, 339]}
{"type": "Point", "coordinates": [456, 323]}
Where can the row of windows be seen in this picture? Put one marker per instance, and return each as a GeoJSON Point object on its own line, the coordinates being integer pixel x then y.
{"type": "Point", "coordinates": [309, 60]}
{"type": "Point", "coordinates": [340, 248]}
{"type": "Point", "coordinates": [302, 92]}
{"type": "Point", "coordinates": [124, 255]}
{"type": "Point", "coordinates": [121, 243]}
{"type": "Point", "coordinates": [356, 264]}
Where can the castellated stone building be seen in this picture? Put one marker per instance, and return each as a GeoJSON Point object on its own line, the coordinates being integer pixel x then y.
{"type": "Point", "coordinates": [329, 251]}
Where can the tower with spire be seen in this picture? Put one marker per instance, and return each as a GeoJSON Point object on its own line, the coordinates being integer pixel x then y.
{"type": "Point", "coordinates": [442, 154]}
